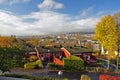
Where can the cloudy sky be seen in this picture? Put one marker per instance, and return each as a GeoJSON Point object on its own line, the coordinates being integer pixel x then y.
{"type": "Point", "coordinates": [38, 17]}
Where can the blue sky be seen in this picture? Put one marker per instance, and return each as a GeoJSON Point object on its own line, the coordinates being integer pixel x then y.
{"type": "Point", "coordinates": [38, 17]}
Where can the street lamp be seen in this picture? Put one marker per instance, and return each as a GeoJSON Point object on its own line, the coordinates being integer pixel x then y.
{"type": "Point", "coordinates": [49, 55]}
{"type": "Point", "coordinates": [60, 75]}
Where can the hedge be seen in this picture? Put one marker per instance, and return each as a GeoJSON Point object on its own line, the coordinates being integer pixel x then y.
{"type": "Point", "coordinates": [73, 63]}
{"type": "Point", "coordinates": [54, 66]}
{"type": "Point", "coordinates": [33, 65]}
{"type": "Point", "coordinates": [28, 77]}
{"type": "Point", "coordinates": [85, 77]}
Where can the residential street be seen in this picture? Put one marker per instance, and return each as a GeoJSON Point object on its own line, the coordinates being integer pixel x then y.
{"type": "Point", "coordinates": [53, 74]}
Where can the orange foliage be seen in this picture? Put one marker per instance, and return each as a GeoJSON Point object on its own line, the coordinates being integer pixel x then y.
{"type": "Point", "coordinates": [58, 61]}
{"type": "Point", "coordinates": [5, 41]}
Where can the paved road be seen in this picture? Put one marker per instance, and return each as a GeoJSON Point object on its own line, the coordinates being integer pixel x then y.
{"type": "Point", "coordinates": [53, 74]}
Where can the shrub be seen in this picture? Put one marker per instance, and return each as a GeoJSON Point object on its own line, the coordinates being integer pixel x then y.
{"type": "Point", "coordinates": [33, 58]}
{"type": "Point", "coordinates": [33, 65]}
{"type": "Point", "coordinates": [54, 66]}
{"type": "Point", "coordinates": [65, 79]}
{"type": "Point", "coordinates": [22, 62]}
{"type": "Point", "coordinates": [73, 63]}
{"type": "Point", "coordinates": [85, 77]}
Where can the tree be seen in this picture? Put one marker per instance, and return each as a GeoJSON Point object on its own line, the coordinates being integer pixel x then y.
{"type": "Point", "coordinates": [33, 41]}
{"type": "Point", "coordinates": [106, 34]}
{"type": "Point", "coordinates": [8, 57]}
{"type": "Point", "coordinates": [5, 41]}
{"type": "Point", "coordinates": [117, 21]}
{"type": "Point", "coordinates": [116, 17]}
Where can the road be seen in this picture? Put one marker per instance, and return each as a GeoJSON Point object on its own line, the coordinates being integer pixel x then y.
{"type": "Point", "coordinates": [52, 74]}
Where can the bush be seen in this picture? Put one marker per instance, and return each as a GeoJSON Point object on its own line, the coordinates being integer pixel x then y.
{"type": "Point", "coordinates": [54, 66]}
{"type": "Point", "coordinates": [65, 79]}
{"type": "Point", "coordinates": [33, 65]}
{"type": "Point", "coordinates": [9, 58]}
{"type": "Point", "coordinates": [22, 62]}
{"type": "Point", "coordinates": [73, 63]}
{"type": "Point", "coordinates": [85, 77]}
{"type": "Point", "coordinates": [33, 58]}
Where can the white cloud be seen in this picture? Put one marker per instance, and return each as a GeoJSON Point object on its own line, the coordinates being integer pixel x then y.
{"type": "Point", "coordinates": [85, 23]}
{"type": "Point", "coordinates": [87, 11]}
{"type": "Point", "coordinates": [1, 1]}
{"type": "Point", "coordinates": [17, 1]}
{"type": "Point", "coordinates": [49, 5]}
{"type": "Point", "coordinates": [44, 22]}
{"type": "Point", "coordinates": [13, 1]}
{"type": "Point", "coordinates": [10, 24]}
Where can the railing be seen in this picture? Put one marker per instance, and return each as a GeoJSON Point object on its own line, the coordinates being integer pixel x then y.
{"type": "Point", "coordinates": [101, 69]}
{"type": "Point", "coordinates": [94, 69]}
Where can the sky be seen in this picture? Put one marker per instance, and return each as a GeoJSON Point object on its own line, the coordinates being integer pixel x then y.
{"type": "Point", "coordinates": [41, 17]}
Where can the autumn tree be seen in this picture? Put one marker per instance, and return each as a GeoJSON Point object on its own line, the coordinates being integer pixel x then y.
{"type": "Point", "coordinates": [116, 17]}
{"type": "Point", "coordinates": [5, 41]}
{"type": "Point", "coordinates": [106, 34]}
{"type": "Point", "coordinates": [33, 41]}
{"type": "Point", "coordinates": [11, 52]}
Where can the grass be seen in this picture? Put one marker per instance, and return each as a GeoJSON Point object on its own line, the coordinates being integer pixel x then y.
{"type": "Point", "coordinates": [26, 77]}
{"type": "Point", "coordinates": [31, 77]}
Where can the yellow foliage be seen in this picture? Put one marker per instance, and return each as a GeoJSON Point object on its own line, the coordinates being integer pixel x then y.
{"type": "Point", "coordinates": [85, 77]}
{"type": "Point", "coordinates": [5, 41]}
{"type": "Point", "coordinates": [33, 41]}
{"type": "Point", "coordinates": [107, 34]}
